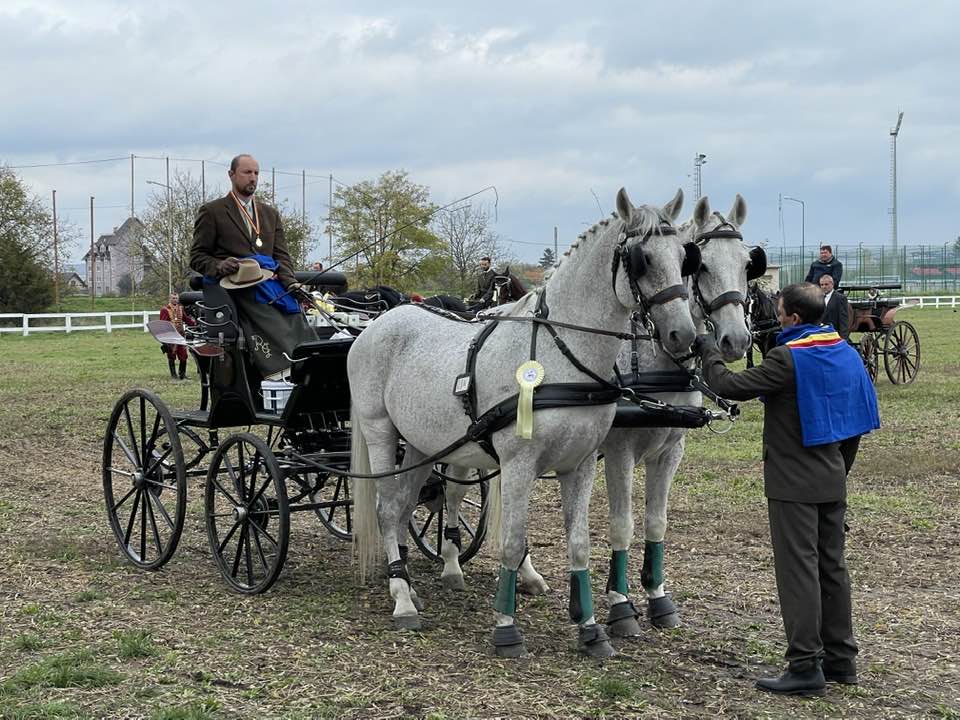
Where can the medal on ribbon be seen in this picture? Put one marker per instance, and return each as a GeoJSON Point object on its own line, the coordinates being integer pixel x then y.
{"type": "Point", "coordinates": [529, 375]}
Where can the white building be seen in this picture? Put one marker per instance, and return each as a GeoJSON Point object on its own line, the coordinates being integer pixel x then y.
{"type": "Point", "coordinates": [116, 256]}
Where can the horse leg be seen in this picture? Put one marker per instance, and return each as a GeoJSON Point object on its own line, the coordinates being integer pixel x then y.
{"type": "Point", "coordinates": [618, 466]}
{"type": "Point", "coordinates": [452, 543]}
{"type": "Point", "coordinates": [575, 489]}
{"type": "Point", "coordinates": [531, 582]}
{"type": "Point", "coordinates": [661, 468]}
{"type": "Point", "coordinates": [413, 480]}
{"type": "Point", "coordinates": [516, 481]}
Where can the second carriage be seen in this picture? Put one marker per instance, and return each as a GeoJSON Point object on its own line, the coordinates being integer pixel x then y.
{"type": "Point", "coordinates": [297, 460]}
{"type": "Point", "coordinates": [876, 332]}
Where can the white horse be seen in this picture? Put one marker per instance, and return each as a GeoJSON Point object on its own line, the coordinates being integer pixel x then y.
{"type": "Point", "coordinates": [404, 367]}
{"type": "Point", "coordinates": [717, 295]}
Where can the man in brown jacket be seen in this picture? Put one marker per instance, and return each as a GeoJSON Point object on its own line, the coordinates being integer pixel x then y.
{"type": "Point", "coordinates": [817, 402]}
{"type": "Point", "coordinates": [240, 226]}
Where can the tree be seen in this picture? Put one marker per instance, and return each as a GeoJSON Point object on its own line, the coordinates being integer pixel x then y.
{"type": "Point", "coordinates": [25, 284]}
{"type": "Point", "coordinates": [467, 237]}
{"type": "Point", "coordinates": [298, 232]}
{"type": "Point", "coordinates": [384, 225]}
{"type": "Point", "coordinates": [547, 260]}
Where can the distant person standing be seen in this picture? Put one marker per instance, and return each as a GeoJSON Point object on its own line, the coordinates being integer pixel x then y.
{"type": "Point", "coordinates": [826, 265]}
{"type": "Point", "coordinates": [836, 308]}
{"type": "Point", "coordinates": [484, 293]}
{"type": "Point", "coordinates": [173, 312]}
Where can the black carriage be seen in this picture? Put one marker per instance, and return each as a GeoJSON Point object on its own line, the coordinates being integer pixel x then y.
{"type": "Point", "coordinates": [875, 332]}
{"type": "Point", "coordinates": [252, 481]}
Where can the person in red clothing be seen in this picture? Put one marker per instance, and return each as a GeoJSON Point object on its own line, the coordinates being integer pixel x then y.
{"type": "Point", "coordinates": [173, 312]}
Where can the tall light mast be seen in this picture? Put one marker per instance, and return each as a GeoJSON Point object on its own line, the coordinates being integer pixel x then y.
{"type": "Point", "coordinates": [893, 184]}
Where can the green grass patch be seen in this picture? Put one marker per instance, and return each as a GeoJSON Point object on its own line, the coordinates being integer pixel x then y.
{"type": "Point", "coordinates": [134, 644]}
{"type": "Point", "coordinates": [198, 710]}
{"type": "Point", "coordinates": [71, 669]}
{"type": "Point", "coordinates": [28, 642]}
{"type": "Point", "coordinates": [39, 711]}
{"type": "Point", "coordinates": [85, 596]}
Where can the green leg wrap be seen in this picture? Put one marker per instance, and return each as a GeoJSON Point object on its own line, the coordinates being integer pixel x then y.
{"type": "Point", "coordinates": [617, 580]}
{"type": "Point", "coordinates": [505, 602]}
{"type": "Point", "coordinates": [581, 598]}
{"type": "Point", "coordinates": [652, 575]}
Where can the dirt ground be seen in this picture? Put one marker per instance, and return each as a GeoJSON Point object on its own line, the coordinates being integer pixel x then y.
{"type": "Point", "coordinates": [84, 634]}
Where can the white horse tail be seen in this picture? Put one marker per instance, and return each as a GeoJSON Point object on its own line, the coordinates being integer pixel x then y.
{"type": "Point", "coordinates": [366, 529]}
{"type": "Point", "coordinates": [494, 516]}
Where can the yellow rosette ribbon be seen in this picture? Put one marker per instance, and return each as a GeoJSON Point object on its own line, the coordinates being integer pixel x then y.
{"type": "Point", "coordinates": [529, 375]}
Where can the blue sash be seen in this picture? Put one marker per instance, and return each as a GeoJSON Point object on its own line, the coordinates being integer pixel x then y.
{"type": "Point", "coordinates": [268, 291]}
{"type": "Point", "coordinates": [835, 397]}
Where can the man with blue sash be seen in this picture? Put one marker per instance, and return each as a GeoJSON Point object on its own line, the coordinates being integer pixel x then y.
{"type": "Point", "coordinates": [818, 401]}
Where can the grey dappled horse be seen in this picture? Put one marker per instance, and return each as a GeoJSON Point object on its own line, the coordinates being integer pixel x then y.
{"type": "Point", "coordinates": [717, 293]}
{"type": "Point", "coordinates": [402, 371]}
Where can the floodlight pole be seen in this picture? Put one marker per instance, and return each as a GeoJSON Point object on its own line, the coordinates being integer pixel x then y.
{"type": "Point", "coordinates": [893, 184]}
{"type": "Point", "coordinates": [803, 223]}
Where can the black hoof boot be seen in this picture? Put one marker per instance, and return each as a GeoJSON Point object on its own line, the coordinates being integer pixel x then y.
{"type": "Point", "coordinates": [622, 621]}
{"type": "Point", "coordinates": [593, 642]}
{"type": "Point", "coordinates": [662, 613]}
{"type": "Point", "coordinates": [508, 642]}
{"type": "Point", "coordinates": [407, 622]}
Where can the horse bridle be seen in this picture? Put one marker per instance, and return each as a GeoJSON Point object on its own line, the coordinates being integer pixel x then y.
{"type": "Point", "coordinates": [634, 265]}
{"type": "Point", "coordinates": [731, 297]}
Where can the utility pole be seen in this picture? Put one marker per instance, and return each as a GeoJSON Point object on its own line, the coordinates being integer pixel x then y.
{"type": "Point", "coordinates": [699, 161]}
{"type": "Point", "coordinates": [893, 184]}
{"type": "Point", "coordinates": [273, 186]}
{"type": "Point", "coordinates": [329, 224]}
{"type": "Point", "coordinates": [556, 257]}
{"type": "Point", "coordinates": [303, 197]}
{"type": "Point", "coordinates": [93, 262]}
{"type": "Point", "coordinates": [132, 213]}
{"type": "Point", "coordinates": [803, 223]}
{"type": "Point", "coordinates": [169, 231]}
{"type": "Point", "coordinates": [203, 180]}
{"type": "Point", "coordinates": [56, 257]}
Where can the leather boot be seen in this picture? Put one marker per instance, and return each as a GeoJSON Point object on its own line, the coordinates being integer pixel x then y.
{"type": "Point", "coordinates": [173, 368]}
{"type": "Point", "coordinates": [183, 369]}
{"type": "Point", "coordinates": [809, 682]}
{"type": "Point", "coordinates": [843, 672]}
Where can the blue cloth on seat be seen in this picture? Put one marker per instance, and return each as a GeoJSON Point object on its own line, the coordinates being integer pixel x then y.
{"type": "Point", "coordinates": [835, 397]}
{"type": "Point", "coordinates": [268, 291]}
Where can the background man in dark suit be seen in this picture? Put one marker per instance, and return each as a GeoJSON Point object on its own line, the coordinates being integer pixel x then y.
{"type": "Point", "coordinates": [818, 400]}
{"type": "Point", "coordinates": [485, 278]}
{"type": "Point", "coordinates": [240, 226]}
{"type": "Point", "coordinates": [826, 265]}
{"type": "Point", "coordinates": [836, 308]}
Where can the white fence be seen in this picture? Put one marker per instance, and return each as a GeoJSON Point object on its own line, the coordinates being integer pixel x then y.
{"type": "Point", "coordinates": [928, 301]}
{"type": "Point", "coordinates": [24, 324]}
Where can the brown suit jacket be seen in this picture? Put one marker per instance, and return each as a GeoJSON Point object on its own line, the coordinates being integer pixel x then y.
{"type": "Point", "coordinates": [219, 232]}
{"type": "Point", "coordinates": [791, 472]}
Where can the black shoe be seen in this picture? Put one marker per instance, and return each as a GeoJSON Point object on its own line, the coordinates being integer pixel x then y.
{"type": "Point", "coordinates": [809, 683]}
{"type": "Point", "coordinates": [183, 377]}
{"type": "Point", "coordinates": [843, 673]}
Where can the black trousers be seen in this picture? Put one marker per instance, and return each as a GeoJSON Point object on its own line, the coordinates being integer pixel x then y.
{"type": "Point", "coordinates": [812, 581]}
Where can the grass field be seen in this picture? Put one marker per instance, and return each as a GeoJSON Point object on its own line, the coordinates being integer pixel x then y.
{"type": "Point", "coordinates": [85, 635]}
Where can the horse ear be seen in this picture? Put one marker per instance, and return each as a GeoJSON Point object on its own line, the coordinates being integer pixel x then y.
{"type": "Point", "coordinates": [624, 206]}
{"type": "Point", "coordinates": [673, 208]}
{"type": "Point", "coordinates": [758, 263]}
{"type": "Point", "coordinates": [701, 212]}
{"type": "Point", "coordinates": [738, 213]}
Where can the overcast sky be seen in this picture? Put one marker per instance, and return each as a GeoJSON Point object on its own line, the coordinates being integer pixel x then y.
{"type": "Point", "coordinates": [548, 101]}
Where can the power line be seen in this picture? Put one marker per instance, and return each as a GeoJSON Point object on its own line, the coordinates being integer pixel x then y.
{"type": "Point", "coordinates": [72, 162]}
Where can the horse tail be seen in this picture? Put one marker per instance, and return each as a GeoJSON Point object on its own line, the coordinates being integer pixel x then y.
{"type": "Point", "coordinates": [494, 515]}
{"type": "Point", "coordinates": [366, 529]}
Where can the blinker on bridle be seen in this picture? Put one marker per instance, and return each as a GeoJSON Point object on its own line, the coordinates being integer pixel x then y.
{"type": "Point", "coordinates": [733, 297]}
{"type": "Point", "coordinates": [634, 265]}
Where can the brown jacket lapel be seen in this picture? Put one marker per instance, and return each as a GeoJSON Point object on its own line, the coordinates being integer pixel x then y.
{"type": "Point", "coordinates": [234, 212]}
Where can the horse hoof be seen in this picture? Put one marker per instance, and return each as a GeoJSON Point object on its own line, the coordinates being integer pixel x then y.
{"type": "Point", "coordinates": [508, 642]}
{"type": "Point", "coordinates": [407, 622]}
{"type": "Point", "coordinates": [417, 603]}
{"type": "Point", "coordinates": [593, 642]}
{"type": "Point", "coordinates": [453, 582]}
{"type": "Point", "coordinates": [533, 589]}
{"type": "Point", "coordinates": [623, 620]}
{"type": "Point", "coordinates": [662, 613]}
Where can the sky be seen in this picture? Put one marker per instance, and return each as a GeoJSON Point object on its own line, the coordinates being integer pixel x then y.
{"type": "Point", "coordinates": [556, 104]}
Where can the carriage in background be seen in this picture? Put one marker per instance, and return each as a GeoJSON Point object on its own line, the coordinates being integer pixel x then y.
{"type": "Point", "coordinates": [875, 331]}
{"type": "Point", "coordinates": [253, 481]}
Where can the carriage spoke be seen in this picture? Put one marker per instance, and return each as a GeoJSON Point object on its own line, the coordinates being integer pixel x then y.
{"type": "Point", "coordinates": [236, 558]}
{"type": "Point", "coordinates": [220, 487]}
{"type": "Point", "coordinates": [248, 559]}
{"type": "Point", "coordinates": [133, 518]}
{"type": "Point", "coordinates": [134, 460]}
{"type": "Point", "coordinates": [260, 553]}
{"type": "Point", "coordinates": [259, 493]}
{"type": "Point", "coordinates": [143, 429]}
{"type": "Point", "coordinates": [118, 471]}
{"type": "Point", "coordinates": [143, 526]}
{"type": "Point", "coordinates": [152, 443]}
{"type": "Point", "coordinates": [158, 461]}
{"type": "Point", "coordinates": [226, 540]}
{"type": "Point", "coordinates": [426, 524]}
{"type": "Point", "coordinates": [470, 530]}
{"type": "Point", "coordinates": [153, 524]}
{"type": "Point", "coordinates": [162, 509]}
{"type": "Point", "coordinates": [123, 500]}
{"type": "Point", "coordinates": [263, 531]}
{"type": "Point", "coordinates": [135, 457]}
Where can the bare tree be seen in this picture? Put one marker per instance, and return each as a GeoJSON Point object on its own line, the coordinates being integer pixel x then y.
{"type": "Point", "coordinates": [467, 235]}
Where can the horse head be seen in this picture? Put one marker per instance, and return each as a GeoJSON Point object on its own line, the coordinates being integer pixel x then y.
{"type": "Point", "coordinates": [719, 286]}
{"type": "Point", "coordinates": [647, 270]}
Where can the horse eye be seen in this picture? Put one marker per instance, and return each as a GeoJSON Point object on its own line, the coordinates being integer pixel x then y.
{"type": "Point", "coordinates": [647, 258]}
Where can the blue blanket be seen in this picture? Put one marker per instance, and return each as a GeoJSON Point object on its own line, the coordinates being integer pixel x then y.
{"type": "Point", "coordinates": [269, 291]}
{"type": "Point", "coordinates": [835, 397]}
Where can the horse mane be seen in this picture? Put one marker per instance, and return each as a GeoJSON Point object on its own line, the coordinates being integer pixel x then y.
{"type": "Point", "coordinates": [646, 219]}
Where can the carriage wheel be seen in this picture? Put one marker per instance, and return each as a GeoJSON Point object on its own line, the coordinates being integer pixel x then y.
{"type": "Point", "coordinates": [337, 519]}
{"type": "Point", "coordinates": [429, 519]}
{"type": "Point", "coordinates": [193, 447]}
{"type": "Point", "coordinates": [869, 353]}
{"type": "Point", "coordinates": [144, 479]}
{"type": "Point", "coordinates": [901, 353]}
{"type": "Point", "coordinates": [248, 518]}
